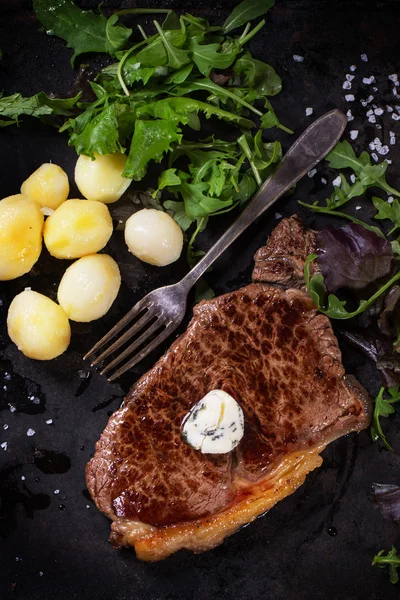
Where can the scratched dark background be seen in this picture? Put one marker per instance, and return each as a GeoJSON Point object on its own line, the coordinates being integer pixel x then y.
{"type": "Point", "coordinates": [319, 542]}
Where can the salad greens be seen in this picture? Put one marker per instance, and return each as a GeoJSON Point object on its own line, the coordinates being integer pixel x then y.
{"type": "Point", "coordinates": [166, 80]}
{"type": "Point", "coordinates": [391, 560]}
{"type": "Point", "coordinates": [383, 407]}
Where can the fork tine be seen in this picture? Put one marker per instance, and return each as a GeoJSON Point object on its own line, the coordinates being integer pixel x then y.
{"type": "Point", "coordinates": [120, 325]}
{"type": "Point", "coordinates": [136, 344]}
{"type": "Point", "coordinates": [145, 351]}
{"type": "Point", "coordinates": [132, 331]}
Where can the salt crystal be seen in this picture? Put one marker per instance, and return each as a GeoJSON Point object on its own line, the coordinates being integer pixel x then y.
{"type": "Point", "coordinates": [22, 477]}
{"type": "Point", "coordinates": [375, 157]}
{"type": "Point", "coordinates": [371, 145]}
{"type": "Point", "coordinates": [4, 445]}
{"type": "Point", "coordinates": [389, 108]}
{"type": "Point", "coordinates": [49, 421]}
{"type": "Point", "coordinates": [346, 85]}
{"type": "Point", "coordinates": [87, 506]}
{"type": "Point", "coordinates": [323, 180]}
{"type": "Point", "coordinates": [364, 57]}
{"type": "Point", "coordinates": [378, 111]}
{"type": "Point", "coordinates": [349, 77]}
{"type": "Point", "coordinates": [349, 98]}
{"type": "Point", "coordinates": [5, 426]}
{"type": "Point", "coordinates": [389, 162]}
{"type": "Point", "coordinates": [395, 117]}
{"type": "Point", "coordinates": [369, 80]}
{"type": "Point", "coordinates": [12, 408]}
{"type": "Point", "coordinates": [312, 172]}
{"type": "Point", "coordinates": [349, 115]}
{"type": "Point", "coordinates": [390, 199]}
{"type": "Point", "coordinates": [374, 89]}
{"type": "Point", "coordinates": [369, 112]}
{"type": "Point", "coordinates": [309, 111]}
{"type": "Point", "coordinates": [56, 492]}
{"type": "Point", "coordinates": [367, 100]}
{"type": "Point", "coordinates": [395, 94]}
{"type": "Point", "coordinates": [383, 150]}
{"type": "Point", "coordinates": [395, 78]}
{"type": "Point", "coordinates": [358, 207]}
{"type": "Point", "coordinates": [17, 558]}
{"type": "Point", "coordinates": [352, 178]}
{"type": "Point", "coordinates": [40, 573]}
{"type": "Point", "coordinates": [378, 126]}
{"type": "Point", "coordinates": [337, 182]}
{"type": "Point", "coordinates": [278, 216]}
{"type": "Point", "coordinates": [30, 432]}
{"type": "Point", "coordinates": [47, 211]}
{"type": "Point", "coordinates": [372, 119]}
{"type": "Point", "coordinates": [298, 58]}
{"type": "Point", "coordinates": [354, 134]}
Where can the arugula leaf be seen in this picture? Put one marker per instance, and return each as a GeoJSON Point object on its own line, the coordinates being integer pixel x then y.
{"type": "Point", "coordinates": [166, 179]}
{"type": "Point", "coordinates": [388, 211]}
{"type": "Point", "coordinates": [336, 308]}
{"type": "Point", "coordinates": [257, 75]}
{"type": "Point", "coordinates": [83, 30]}
{"type": "Point", "coordinates": [151, 139]}
{"type": "Point", "coordinates": [181, 75]}
{"type": "Point", "coordinates": [343, 156]}
{"type": "Point", "coordinates": [178, 212]}
{"type": "Point", "coordinates": [334, 213]}
{"type": "Point", "coordinates": [213, 56]}
{"type": "Point", "coordinates": [99, 136]}
{"type": "Point", "coordinates": [197, 203]}
{"type": "Point", "coordinates": [246, 11]}
{"type": "Point", "coordinates": [391, 560]}
{"type": "Point", "coordinates": [383, 407]}
{"type": "Point", "coordinates": [39, 105]}
{"type": "Point", "coordinates": [177, 57]}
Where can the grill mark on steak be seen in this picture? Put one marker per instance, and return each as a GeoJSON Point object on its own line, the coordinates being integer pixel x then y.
{"type": "Point", "coordinates": [266, 346]}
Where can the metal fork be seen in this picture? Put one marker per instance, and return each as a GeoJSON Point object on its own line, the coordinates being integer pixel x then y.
{"type": "Point", "coordinates": [162, 310]}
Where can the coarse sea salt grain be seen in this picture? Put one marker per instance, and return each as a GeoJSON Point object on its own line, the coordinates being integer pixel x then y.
{"type": "Point", "coordinates": [366, 101]}
{"type": "Point", "coordinates": [394, 77]}
{"type": "Point", "coordinates": [349, 115]}
{"type": "Point", "coordinates": [353, 68]}
{"type": "Point", "coordinates": [22, 477]}
{"type": "Point", "coordinates": [87, 506]}
{"type": "Point", "coordinates": [312, 172]}
{"type": "Point", "coordinates": [30, 432]}
{"type": "Point", "coordinates": [298, 58]}
{"type": "Point", "coordinates": [389, 108]}
{"type": "Point", "coordinates": [364, 57]}
{"type": "Point", "coordinates": [392, 138]}
{"type": "Point", "coordinates": [372, 119]}
{"type": "Point", "coordinates": [352, 178]}
{"type": "Point", "coordinates": [395, 93]}
{"type": "Point", "coordinates": [349, 98]}
{"type": "Point", "coordinates": [4, 445]}
{"type": "Point", "coordinates": [56, 492]}
{"type": "Point", "coordinates": [389, 162]}
{"type": "Point", "coordinates": [278, 216]}
{"type": "Point", "coordinates": [337, 182]}
{"type": "Point", "coordinates": [349, 77]}
{"type": "Point", "coordinates": [358, 207]}
{"type": "Point", "coordinates": [390, 199]}
{"type": "Point", "coordinates": [382, 150]}
{"type": "Point", "coordinates": [309, 111]}
{"type": "Point", "coordinates": [378, 111]}
{"type": "Point", "coordinates": [323, 180]}
{"type": "Point", "coordinates": [5, 426]}
{"type": "Point", "coordinates": [375, 157]}
{"type": "Point", "coordinates": [40, 573]}
{"type": "Point", "coordinates": [49, 421]}
{"type": "Point", "coordinates": [346, 85]}
{"type": "Point", "coordinates": [395, 117]}
{"type": "Point", "coordinates": [378, 126]}
{"type": "Point", "coordinates": [354, 134]}
{"type": "Point", "coordinates": [368, 80]}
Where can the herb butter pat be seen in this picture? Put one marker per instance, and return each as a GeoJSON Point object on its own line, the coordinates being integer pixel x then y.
{"type": "Point", "coordinates": [215, 425]}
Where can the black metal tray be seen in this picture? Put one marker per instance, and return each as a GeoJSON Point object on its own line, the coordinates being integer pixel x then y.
{"type": "Point", "coordinates": [319, 542]}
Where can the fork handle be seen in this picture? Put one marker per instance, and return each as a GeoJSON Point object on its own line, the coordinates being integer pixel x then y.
{"type": "Point", "coordinates": [311, 147]}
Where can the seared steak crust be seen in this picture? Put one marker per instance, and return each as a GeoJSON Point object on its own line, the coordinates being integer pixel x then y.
{"type": "Point", "coordinates": [267, 347]}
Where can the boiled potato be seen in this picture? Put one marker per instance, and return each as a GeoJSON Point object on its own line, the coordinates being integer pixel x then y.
{"type": "Point", "coordinates": [38, 326]}
{"type": "Point", "coordinates": [48, 185]}
{"type": "Point", "coordinates": [21, 226]}
{"type": "Point", "coordinates": [101, 179]}
{"type": "Point", "coordinates": [89, 287]}
{"type": "Point", "coordinates": [77, 228]}
{"type": "Point", "coordinates": [154, 237]}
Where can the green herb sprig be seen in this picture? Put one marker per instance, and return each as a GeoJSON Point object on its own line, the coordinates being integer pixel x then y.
{"type": "Point", "coordinates": [391, 560]}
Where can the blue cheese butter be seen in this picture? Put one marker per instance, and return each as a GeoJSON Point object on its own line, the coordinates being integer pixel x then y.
{"type": "Point", "coordinates": [215, 424]}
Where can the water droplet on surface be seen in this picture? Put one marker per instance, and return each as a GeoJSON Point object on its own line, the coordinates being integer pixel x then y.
{"type": "Point", "coordinates": [332, 531]}
{"type": "Point", "coordinates": [61, 506]}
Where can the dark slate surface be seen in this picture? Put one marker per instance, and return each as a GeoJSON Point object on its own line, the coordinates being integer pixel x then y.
{"type": "Point", "coordinates": [54, 546]}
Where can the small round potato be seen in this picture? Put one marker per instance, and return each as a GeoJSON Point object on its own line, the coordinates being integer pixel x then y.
{"type": "Point", "coordinates": [101, 179]}
{"type": "Point", "coordinates": [38, 326]}
{"type": "Point", "coordinates": [77, 228]}
{"type": "Point", "coordinates": [48, 185]}
{"type": "Point", "coordinates": [154, 237]}
{"type": "Point", "coordinates": [21, 226]}
{"type": "Point", "coordinates": [89, 287]}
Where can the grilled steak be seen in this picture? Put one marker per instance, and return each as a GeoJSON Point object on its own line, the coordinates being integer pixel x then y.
{"type": "Point", "coordinates": [268, 348]}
